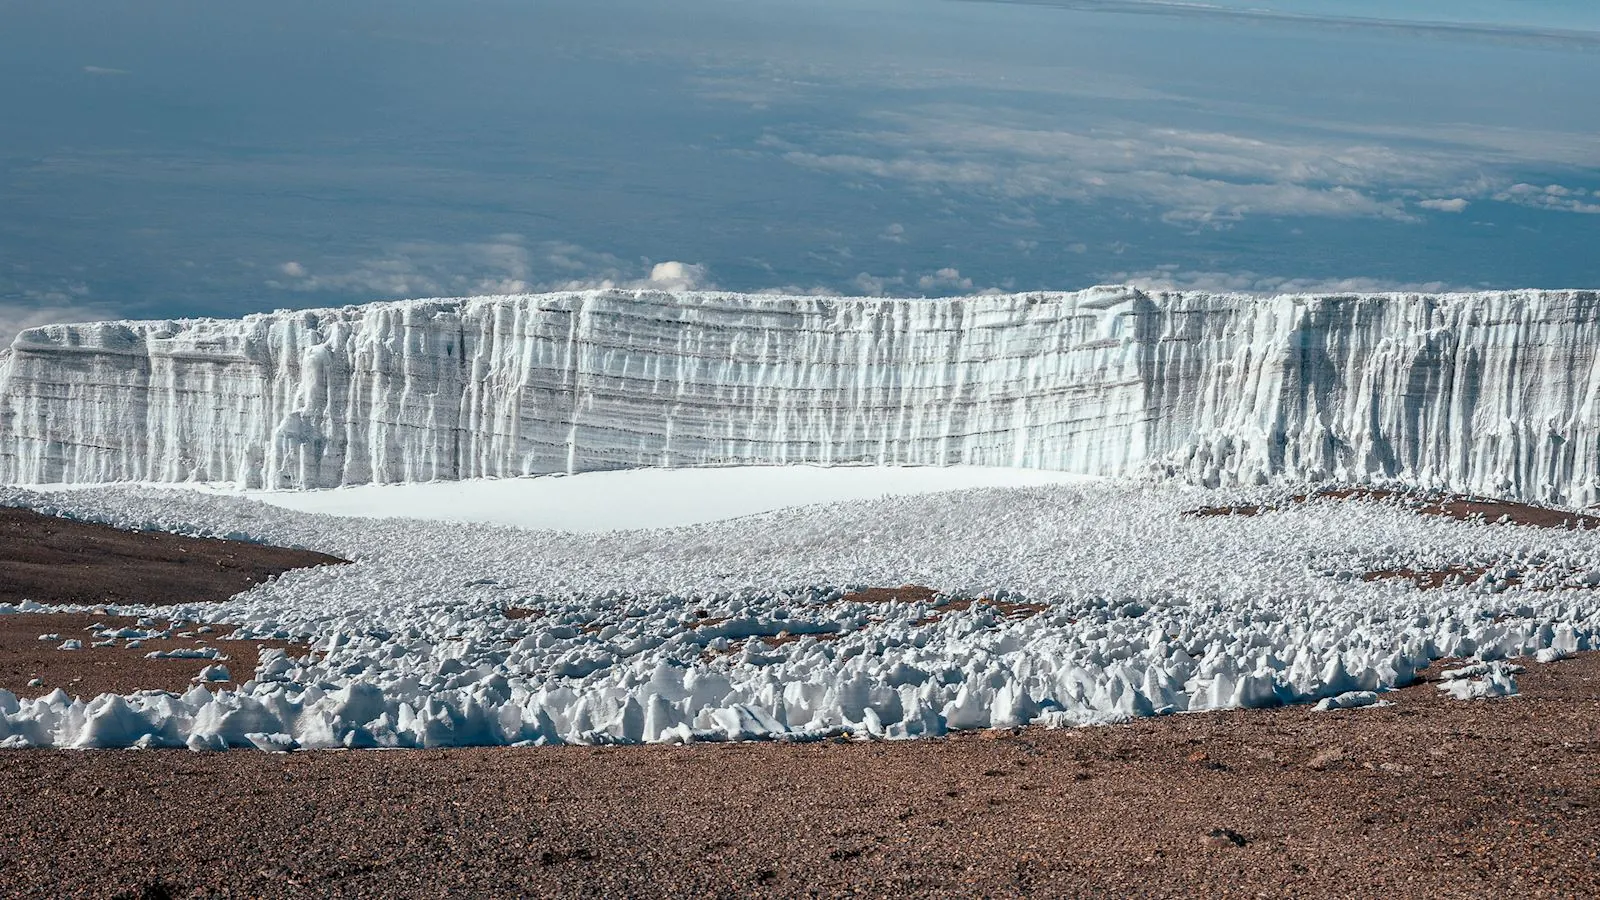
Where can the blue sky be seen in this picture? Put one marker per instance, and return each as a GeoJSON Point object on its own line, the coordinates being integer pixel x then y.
{"type": "Point", "coordinates": [184, 158]}
{"type": "Point", "coordinates": [1572, 15]}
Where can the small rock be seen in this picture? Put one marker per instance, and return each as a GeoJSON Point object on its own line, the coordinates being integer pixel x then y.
{"type": "Point", "coordinates": [37, 682]}
{"type": "Point", "coordinates": [1326, 758]}
{"type": "Point", "coordinates": [1224, 837]}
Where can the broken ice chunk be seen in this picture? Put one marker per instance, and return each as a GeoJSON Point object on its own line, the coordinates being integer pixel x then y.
{"type": "Point", "coordinates": [186, 653]}
{"type": "Point", "coordinates": [1481, 681]}
{"type": "Point", "coordinates": [1350, 700]}
{"type": "Point", "coordinates": [270, 743]}
{"type": "Point", "coordinates": [214, 673]}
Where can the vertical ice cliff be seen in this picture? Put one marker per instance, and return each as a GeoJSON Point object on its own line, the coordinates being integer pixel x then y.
{"type": "Point", "coordinates": [1490, 392]}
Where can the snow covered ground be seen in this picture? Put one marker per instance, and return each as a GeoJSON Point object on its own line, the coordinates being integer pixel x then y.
{"type": "Point", "coordinates": [1100, 601]}
{"type": "Point", "coordinates": [645, 498]}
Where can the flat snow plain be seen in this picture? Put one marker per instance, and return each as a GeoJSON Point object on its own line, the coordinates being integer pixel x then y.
{"type": "Point", "coordinates": [739, 629]}
{"type": "Point", "coordinates": [645, 498]}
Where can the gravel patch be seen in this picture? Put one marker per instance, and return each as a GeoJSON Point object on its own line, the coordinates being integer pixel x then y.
{"type": "Point", "coordinates": [52, 560]}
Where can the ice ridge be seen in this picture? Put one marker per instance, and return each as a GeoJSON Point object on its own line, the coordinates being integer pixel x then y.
{"type": "Point", "coordinates": [1491, 392]}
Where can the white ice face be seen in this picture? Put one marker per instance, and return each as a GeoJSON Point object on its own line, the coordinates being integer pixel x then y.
{"type": "Point", "coordinates": [740, 629]}
{"type": "Point", "coordinates": [1491, 392]}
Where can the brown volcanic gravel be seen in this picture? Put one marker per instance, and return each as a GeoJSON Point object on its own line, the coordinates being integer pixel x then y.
{"type": "Point", "coordinates": [1433, 503]}
{"type": "Point", "coordinates": [53, 560]}
{"type": "Point", "coordinates": [1428, 798]}
{"type": "Point", "coordinates": [92, 671]}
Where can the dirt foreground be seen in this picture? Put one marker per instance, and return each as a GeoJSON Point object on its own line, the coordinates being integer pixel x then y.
{"type": "Point", "coordinates": [1430, 797]}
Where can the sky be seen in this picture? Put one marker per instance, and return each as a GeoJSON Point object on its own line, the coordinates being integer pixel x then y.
{"type": "Point", "coordinates": [166, 158]}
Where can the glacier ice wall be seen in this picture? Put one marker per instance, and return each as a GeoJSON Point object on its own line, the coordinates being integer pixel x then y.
{"type": "Point", "coordinates": [1489, 392]}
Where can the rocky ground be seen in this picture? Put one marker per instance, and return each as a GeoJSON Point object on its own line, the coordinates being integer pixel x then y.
{"type": "Point", "coordinates": [1429, 797]}
{"type": "Point", "coordinates": [56, 561]}
{"type": "Point", "coordinates": [51, 560]}
{"type": "Point", "coordinates": [30, 667]}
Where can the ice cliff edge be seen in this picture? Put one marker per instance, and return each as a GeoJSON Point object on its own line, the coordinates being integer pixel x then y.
{"type": "Point", "coordinates": [1494, 392]}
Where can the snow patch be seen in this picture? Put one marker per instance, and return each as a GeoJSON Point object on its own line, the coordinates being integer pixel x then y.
{"type": "Point", "coordinates": [645, 498]}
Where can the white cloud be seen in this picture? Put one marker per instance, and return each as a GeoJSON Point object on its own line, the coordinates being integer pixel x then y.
{"type": "Point", "coordinates": [1274, 159]}
{"type": "Point", "coordinates": [868, 285]}
{"type": "Point", "coordinates": [894, 234]}
{"type": "Point", "coordinates": [1173, 278]}
{"type": "Point", "coordinates": [1553, 197]}
{"type": "Point", "coordinates": [503, 264]}
{"type": "Point", "coordinates": [796, 290]}
{"type": "Point", "coordinates": [677, 276]}
{"type": "Point", "coordinates": [1191, 178]}
{"type": "Point", "coordinates": [54, 307]}
{"type": "Point", "coordinates": [945, 279]}
{"type": "Point", "coordinates": [943, 282]}
{"type": "Point", "coordinates": [102, 70]}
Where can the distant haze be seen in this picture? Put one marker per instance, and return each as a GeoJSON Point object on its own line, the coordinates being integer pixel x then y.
{"type": "Point", "coordinates": [180, 158]}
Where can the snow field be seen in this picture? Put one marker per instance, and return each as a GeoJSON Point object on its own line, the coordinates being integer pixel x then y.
{"type": "Point", "coordinates": [739, 629]}
{"type": "Point", "coordinates": [644, 498]}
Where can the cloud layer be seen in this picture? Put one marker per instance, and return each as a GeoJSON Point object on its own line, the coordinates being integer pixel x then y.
{"type": "Point", "coordinates": [1188, 177]}
{"type": "Point", "coordinates": [503, 264]}
{"type": "Point", "coordinates": [18, 315]}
